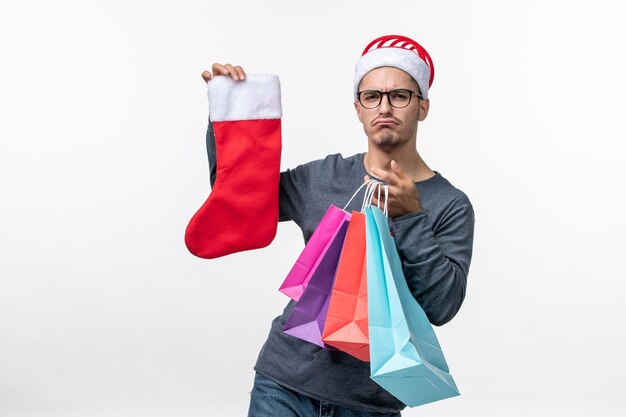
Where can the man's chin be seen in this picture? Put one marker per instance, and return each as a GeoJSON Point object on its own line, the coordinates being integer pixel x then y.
{"type": "Point", "coordinates": [387, 141]}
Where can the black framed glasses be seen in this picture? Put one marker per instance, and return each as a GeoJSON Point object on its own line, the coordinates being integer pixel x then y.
{"type": "Point", "coordinates": [399, 98]}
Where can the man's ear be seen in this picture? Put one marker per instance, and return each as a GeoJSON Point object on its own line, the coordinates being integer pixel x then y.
{"type": "Point", "coordinates": [358, 109]}
{"type": "Point", "coordinates": [424, 107]}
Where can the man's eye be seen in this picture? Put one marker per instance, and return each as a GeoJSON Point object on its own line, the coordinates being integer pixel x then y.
{"type": "Point", "coordinates": [371, 96]}
{"type": "Point", "coordinates": [399, 95]}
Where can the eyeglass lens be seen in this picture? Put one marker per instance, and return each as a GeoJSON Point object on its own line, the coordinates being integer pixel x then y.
{"type": "Point", "coordinates": [371, 99]}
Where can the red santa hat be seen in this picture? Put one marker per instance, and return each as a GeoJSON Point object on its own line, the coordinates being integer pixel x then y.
{"type": "Point", "coordinates": [398, 52]}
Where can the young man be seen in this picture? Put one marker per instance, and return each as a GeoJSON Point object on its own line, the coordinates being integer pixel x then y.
{"type": "Point", "coordinates": [432, 223]}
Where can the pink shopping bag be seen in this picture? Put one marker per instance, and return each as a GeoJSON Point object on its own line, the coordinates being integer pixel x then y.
{"type": "Point", "coordinates": [309, 316]}
{"type": "Point", "coordinates": [314, 251]}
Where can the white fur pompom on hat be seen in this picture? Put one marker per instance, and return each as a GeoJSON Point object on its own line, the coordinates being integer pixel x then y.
{"type": "Point", "coordinates": [398, 52]}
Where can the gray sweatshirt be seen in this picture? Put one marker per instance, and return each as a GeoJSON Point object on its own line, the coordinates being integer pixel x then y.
{"type": "Point", "coordinates": [435, 246]}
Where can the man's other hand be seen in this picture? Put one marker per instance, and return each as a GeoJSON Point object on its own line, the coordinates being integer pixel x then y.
{"type": "Point", "coordinates": [235, 72]}
{"type": "Point", "coordinates": [403, 195]}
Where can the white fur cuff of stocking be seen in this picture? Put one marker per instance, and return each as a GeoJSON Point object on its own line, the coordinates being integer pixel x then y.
{"type": "Point", "coordinates": [256, 97]}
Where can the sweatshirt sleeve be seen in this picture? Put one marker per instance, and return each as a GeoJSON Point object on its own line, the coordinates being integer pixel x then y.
{"type": "Point", "coordinates": [436, 262]}
{"type": "Point", "coordinates": [211, 153]}
{"type": "Point", "coordinates": [294, 183]}
{"type": "Point", "coordinates": [292, 191]}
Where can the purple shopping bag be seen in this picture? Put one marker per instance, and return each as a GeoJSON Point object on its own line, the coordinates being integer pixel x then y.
{"type": "Point", "coordinates": [313, 252]}
{"type": "Point", "coordinates": [309, 316]}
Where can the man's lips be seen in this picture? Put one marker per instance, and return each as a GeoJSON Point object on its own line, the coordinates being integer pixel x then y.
{"type": "Point", "coordinates": [385, 122]}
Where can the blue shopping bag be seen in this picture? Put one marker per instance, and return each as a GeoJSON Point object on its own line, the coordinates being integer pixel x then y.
{"type": "Point", "coordinates": [405, 356]}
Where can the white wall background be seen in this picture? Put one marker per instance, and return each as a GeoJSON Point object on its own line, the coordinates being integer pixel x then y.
{"type": "Point", "coordinates": [103, 312]}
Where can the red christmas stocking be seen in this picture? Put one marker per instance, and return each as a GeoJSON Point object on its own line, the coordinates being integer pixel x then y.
{"type": "Point", "coordinates": [241, 212]}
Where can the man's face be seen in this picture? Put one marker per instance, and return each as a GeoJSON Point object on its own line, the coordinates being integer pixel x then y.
{"type": "Point", "coordinates": [387, 126]}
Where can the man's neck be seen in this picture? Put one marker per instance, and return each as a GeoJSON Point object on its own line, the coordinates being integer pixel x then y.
{"type": "Point", "coordinates": [406, 156]}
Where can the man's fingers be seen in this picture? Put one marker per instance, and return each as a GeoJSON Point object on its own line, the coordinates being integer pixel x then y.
{"type": "Point", "coordinates": [389, 177]}
{"type": "Point", "coordinates": [232, 72]}
{"type": "Point", "coordinates": [379, 173]}
{"type": "Point", "coordinates": [235, 72]}
{"type": "Point", "coordinates": [398, 171]}
{"type": "Point", "coordinates": [376, 202]}
{"type": "Point", "coordinates": [218, 69]}
{"type": "Point", "coordinates": [240, 72]}
{"type": "Point", "coordinates": [206, 76]}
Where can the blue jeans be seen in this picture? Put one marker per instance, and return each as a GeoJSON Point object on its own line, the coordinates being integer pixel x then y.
{"type": "Point", "coordinates": [268, 399]}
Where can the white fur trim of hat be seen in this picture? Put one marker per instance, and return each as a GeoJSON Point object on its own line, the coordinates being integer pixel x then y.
{"type": "Point", "coordinates": [398, 52]}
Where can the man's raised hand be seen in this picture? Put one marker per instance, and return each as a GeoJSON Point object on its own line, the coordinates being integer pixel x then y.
{"type": "Point", "coordinates": [235, 72]}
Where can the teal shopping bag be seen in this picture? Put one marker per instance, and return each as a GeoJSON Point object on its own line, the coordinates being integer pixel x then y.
{"type": "Point", "coordinates": [405, 356]}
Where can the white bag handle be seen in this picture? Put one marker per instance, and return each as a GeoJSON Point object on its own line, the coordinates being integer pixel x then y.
{"type": "Point", "coordinates": [372, 186]}
{"type": "Point", "coordinates": [367, 198]}
{"type": "Point", "coordinates": [368, 184]}
{"type": "Point", "coordinates": [386, 188]}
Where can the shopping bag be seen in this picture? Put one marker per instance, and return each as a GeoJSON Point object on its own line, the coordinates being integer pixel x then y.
{"type": "Point", "coordinates": [346, 322]}
{"type": "Point", "coordinates": [405, 355]}
{"type": "Point", "coordinates": [307, 319]}
{"type": "Point", "coordinates": [315, 249]}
